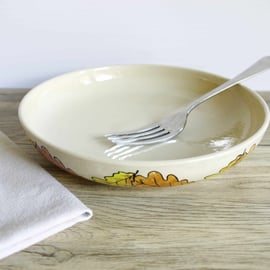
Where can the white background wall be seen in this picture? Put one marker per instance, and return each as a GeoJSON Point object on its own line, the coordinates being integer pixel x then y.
{"type": "Point", "coordinates": [43, 38]}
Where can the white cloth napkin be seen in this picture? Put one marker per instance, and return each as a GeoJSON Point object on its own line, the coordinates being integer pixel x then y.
{"type": "Point", "coordinates": [33, 204]}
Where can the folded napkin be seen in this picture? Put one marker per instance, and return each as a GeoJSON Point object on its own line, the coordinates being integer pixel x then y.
{"type": "Point", "coordinates": [33, 205]}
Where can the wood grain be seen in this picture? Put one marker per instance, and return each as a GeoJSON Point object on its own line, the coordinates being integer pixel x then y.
{"type": "Point", "coordinates": [222, 223]}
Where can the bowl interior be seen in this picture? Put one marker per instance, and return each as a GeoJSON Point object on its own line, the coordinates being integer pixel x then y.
{"type": "Point", "coordinates": [74, 111]}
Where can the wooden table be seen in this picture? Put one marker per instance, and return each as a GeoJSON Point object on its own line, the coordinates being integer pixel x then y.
{"type": "Point", "coordinates": [222, 223]}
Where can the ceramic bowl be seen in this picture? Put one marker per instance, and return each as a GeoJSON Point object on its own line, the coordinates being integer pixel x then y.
{"type": "Point", "coordinates": [66, 119]}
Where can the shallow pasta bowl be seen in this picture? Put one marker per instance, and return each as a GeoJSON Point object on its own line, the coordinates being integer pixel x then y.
{"type": "Point", "coordinates": [66, 119]}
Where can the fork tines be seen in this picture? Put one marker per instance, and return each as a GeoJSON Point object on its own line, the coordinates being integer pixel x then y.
{"type": "Point", "coordinates": [143, 136]}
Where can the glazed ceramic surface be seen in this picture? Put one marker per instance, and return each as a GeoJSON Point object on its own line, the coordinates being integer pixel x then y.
{"type": "Point", "coordinates": [67, 117]}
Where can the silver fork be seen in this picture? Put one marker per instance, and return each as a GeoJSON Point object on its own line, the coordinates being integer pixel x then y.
{"type": "Point", "coordinates": [173, 124]}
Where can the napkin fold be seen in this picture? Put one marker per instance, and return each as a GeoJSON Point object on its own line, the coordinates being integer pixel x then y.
{"type": "Point", "coordinates": [33, 204]}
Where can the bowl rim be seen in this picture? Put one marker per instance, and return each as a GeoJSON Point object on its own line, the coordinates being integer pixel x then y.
{"type": "Point", "coordinates": [144, 163]}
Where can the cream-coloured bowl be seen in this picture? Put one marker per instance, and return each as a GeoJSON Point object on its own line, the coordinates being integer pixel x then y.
{"type": "Point", "coordinates": [67, 117]}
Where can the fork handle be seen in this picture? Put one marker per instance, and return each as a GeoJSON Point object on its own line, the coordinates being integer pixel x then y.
{"type": "Point", "coordinates": [257, 67]}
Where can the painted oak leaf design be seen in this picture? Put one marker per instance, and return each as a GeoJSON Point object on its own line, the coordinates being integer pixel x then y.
{"type": "Point", "coordinates": [118, 179]}
{"type": "Point", "coordinates": [234, 162]}
{"type": "Point", "coordinates": [153, 179]}
{"type": "Point", "coordinates": [53, 159]}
